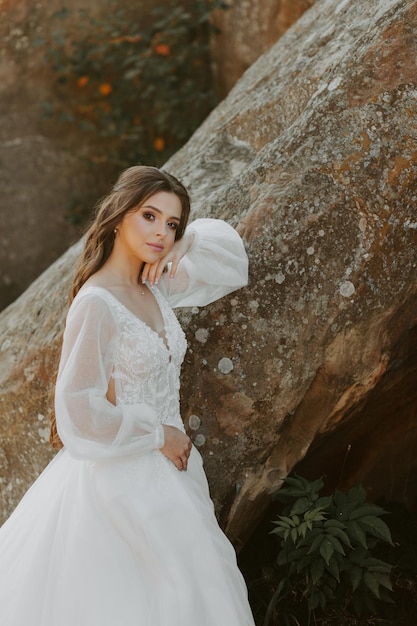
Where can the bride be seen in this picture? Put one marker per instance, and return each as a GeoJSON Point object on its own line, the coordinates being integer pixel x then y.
{"type": "Point", "coordinates": [119, 529]}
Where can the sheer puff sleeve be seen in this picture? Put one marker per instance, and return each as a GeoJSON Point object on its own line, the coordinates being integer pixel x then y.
{"type": "Point", "coordinates": [89, 425]}
{"type": "Point", "coordinates": [215, 265]}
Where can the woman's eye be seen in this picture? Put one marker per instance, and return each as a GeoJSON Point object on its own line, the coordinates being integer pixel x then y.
{"type": "Point", "coordinates": [149, 216]}
{"type": "Point", "coordinates": [173, 225]}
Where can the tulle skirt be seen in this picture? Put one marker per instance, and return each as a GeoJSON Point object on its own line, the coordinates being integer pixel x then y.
{"type": "Point", "coordinates": [126, 542]}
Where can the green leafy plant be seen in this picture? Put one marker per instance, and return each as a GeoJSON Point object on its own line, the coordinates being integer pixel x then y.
{"type": "Point", "coordinates": [141, 85]}
{"type": "Point", "coordinates": [327, 551]}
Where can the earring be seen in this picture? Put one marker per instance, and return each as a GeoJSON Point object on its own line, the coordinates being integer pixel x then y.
{"type": "Point", "coordinates": [116, 231]}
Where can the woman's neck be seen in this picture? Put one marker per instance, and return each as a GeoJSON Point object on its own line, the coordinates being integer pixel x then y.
{"type": "Point", "coordinates": [119, 272]}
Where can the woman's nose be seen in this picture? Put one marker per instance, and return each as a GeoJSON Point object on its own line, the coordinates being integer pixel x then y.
{"type": "Point", "coordinates": [161, 231]}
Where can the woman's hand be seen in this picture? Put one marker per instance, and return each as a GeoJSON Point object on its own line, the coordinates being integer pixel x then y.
{"type": "Point", "coordinates": [153, 272]}
{"type": "Point", "coordinates": [177, 446]}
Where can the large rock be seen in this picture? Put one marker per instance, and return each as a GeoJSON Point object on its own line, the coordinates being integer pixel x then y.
{"type": "Point", "coordinates": [312, 156]}
{"type": "Point", "coordinates": [244, 31]}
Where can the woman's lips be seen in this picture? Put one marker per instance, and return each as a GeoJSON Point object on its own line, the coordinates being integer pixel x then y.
{"type": "Point", "coordinates": [156, 247]}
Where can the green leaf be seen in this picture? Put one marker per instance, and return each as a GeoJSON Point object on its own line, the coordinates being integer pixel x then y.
{"type": "Point", "coordinates": [300, 506]}
{"type": "Point", "coordinates": [371, 582]}
{"type": "Point", "coordinates": [344, 506]}
{"type": "Point", "coordinates": [334, 569]}
{"type": "Point", "coordinates": [334, 523]}
{"type": "Point", "coordinates": [367, 509]}
{"type": "Point", "coordinates": [326, 550]}
{"type": "Point", "coordinates": [356, 533]}
{"type": "Point", "coordinates": [316, 485]}
{"type": "Point", "coordinates": [340, 499]}
{"type": "Point", "coordinates": [339, 534]}
{"type": "Point", "coordinates": [293, 492]}
{"type": "Point", "coordinates": [384, 581]}
{"type": "Point", "coordinates": [355, 575]}
{"type": "Point", "coordinates": [285, 522]}
{"type": "Point", "coordinates": [315, 515]}
{"type": "Point", "coordinates": [303, 529]}
{"type": "Point", "coordinates": [376, 527]}
{"type": "Point", "coordinates": [298, 482]}
{"type": "Point", "coordinates": [316, 543]}
{"type": "Point", "coordinates": [386, 595]}
{"type": "Point", "coordinates": [357, 495]}
{"type": "Point", "coordinates": [324, 502]}
{"type": "Point", "coordinates": [376, 565]}
{"type": "Point", "coordinates": [282, 496]}
{"type": "Point", "coordinates": [336, 544]}
{"type": "Point", "coordinates": [316, 570]}
{"type": "Point", "coordinates": [278, 595]}
{"type": "Point", "coordinates": [303, 564]}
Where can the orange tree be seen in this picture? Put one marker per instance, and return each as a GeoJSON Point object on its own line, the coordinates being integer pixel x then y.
{"type": "Point", "coordinates": [138, 85]}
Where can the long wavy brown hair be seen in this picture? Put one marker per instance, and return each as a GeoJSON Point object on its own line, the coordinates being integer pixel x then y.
{"type": "Point", "coordinates": [132, 189]}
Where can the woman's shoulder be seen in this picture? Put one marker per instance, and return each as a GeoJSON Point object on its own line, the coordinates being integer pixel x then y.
{"type": "Point", "coordinates": [93, 299]}
{"type": "Point", "coordinates": [92, 291]}
{"type": "Point", "coordinates": [92, 317]}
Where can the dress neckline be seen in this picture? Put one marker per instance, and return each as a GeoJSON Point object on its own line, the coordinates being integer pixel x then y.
{"type": "Point", "coordinates": [162, 334]}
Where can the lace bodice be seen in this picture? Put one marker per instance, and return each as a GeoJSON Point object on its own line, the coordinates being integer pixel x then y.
{"type": "Point", "coordinates": [147, 364]}
{"type": "Point", "coordinates": [104, 340]}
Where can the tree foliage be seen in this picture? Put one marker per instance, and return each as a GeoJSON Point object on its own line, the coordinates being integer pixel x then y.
{"type": "Point", "coordinates": [326, 557]}
{"type": "Point", "coordinates": [139, 82]}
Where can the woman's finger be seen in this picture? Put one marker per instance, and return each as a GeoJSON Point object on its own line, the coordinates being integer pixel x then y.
{"type": "Point", "coordinates": [174, 266]}
{"type": "Point", "coordinates": [154, 271]}
{"type": "Point", "coordinates": [145, 272]}
{"type": "Point", "coordinates": [160, 269]}
{"type": "Point", "coordinates": [152, 274]}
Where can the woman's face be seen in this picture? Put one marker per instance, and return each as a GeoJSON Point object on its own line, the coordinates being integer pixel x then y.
{"type": "Point", "coordinates": [148, 233]}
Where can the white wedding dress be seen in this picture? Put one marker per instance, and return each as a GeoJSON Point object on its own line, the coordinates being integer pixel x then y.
{"type": "Point", "coordinates": [111, 533]}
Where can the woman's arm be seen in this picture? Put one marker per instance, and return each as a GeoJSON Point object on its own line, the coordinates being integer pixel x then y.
{"type": "Point", "coordinates": [209, 262]}
{"type": "Point", "coordinates": [89, 424]}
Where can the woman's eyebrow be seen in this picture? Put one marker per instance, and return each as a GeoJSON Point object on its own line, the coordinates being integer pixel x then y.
{"type": "Point", "coordinates": [154, 208]}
